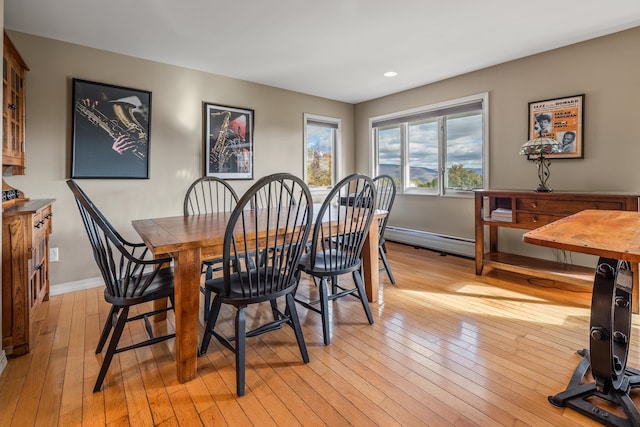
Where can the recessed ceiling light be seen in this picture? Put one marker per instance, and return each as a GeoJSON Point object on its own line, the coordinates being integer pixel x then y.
{"type": "Point", "coordinates": [390, 74]}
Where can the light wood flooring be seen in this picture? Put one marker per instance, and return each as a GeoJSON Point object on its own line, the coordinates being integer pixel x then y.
{"type": "Point", "coordinates": [447, 348]}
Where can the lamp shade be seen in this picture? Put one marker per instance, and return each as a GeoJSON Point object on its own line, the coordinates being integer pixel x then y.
{"type": "Point", "coordinates": [540, 146]}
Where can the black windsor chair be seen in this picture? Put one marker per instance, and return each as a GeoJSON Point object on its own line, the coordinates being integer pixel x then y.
{"type": "Point", "coordinates": [386, 194]}
{"type": "Point", "coordinates": [129, 279]}
{"type": "Point", "coordinates": [209, 195]}
{"type": "Point", "coordinates": [336, 245]}
{"type": "Point", "coordinates": [261, 266]}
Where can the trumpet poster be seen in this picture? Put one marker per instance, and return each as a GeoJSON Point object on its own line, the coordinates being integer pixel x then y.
{"type": "Point", "coordinates": [559, 119]}
{"type": "Point", "coordinates": [228, 142]}
{"type": "Point", "coordinates": [111, 127]}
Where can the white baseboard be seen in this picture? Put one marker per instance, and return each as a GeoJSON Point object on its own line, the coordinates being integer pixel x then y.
{"type": "Point", "coordinates": [424, 239]}
{"type": "Point", "coordinates": [78, 285]}
{"type": "Point", "coordinates": [3, 361]}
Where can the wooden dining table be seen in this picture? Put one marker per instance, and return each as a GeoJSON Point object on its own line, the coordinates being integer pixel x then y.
{"type": "Point", "coordinates": [193, 238]}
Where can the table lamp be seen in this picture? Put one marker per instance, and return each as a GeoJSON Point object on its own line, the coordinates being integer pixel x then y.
{"type": "Point", "coordinates": [536, 149]}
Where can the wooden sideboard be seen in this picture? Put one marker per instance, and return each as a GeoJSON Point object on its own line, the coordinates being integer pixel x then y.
{"type": "Point", "coordinates": [26, 226]}
{"type": "Point", "coordinates": [528, 210]}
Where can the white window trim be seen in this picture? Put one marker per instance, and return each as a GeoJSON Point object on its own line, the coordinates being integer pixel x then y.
{"type": "Point", "coordinates": [484, 97]}
{"type": "Point", "coordinates": [336, 153]}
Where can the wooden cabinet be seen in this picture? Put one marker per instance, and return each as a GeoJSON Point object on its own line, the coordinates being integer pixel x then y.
{"type": "Point", "coordinates": [13, 108]}
{"type": "Point", "coordinates": [26, 226]}
{"type": "Point", "coordinates": [528, 210]}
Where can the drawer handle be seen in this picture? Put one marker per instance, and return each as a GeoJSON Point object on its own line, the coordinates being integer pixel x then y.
{"type": "Point", "coordinates": [39, 224]}
{"type": "Point", "coordinates": [534, 219]}
{"type": "Point", "coordinates": [534, 205]}
{"type": "Point", "coordinates": [47, 216]}
{"type": "Point", "coordinates": [12, 106]}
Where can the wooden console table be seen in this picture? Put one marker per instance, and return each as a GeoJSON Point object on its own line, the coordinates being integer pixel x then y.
{"type": "Point", "coordinates": [528, 210]}
{"type": "Point", "coordinates": [614, 236]}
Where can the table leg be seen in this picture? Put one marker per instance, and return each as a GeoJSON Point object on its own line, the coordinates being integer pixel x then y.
{"type": "Point", "coordinates": [609, 347]}
{"type": "Point", "coordinates": [187, 294]}
{"type": "Point", "coordinates": [370, 263]}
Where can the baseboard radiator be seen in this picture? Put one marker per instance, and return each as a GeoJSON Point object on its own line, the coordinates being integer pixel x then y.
{"type": "Point", "coordinates": [438, 242]}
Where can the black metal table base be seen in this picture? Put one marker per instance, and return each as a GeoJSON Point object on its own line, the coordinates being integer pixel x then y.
{"type": "Point", "coordinates": [579, 396]}
{"type": "Point", "coordinates": [607, 358]}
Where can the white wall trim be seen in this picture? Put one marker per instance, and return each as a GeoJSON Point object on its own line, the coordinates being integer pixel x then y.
{"type": "Point", "coordinates": [424, 239]}
{"type": "Point", "coordinates": [78, 285]}
{"type": "Point", "coordinates": [3, 361]}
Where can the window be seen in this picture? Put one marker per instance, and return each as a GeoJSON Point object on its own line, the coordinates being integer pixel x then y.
{"type": "Point", "coordinates": [321, 142]}
{"type": "Point", "coordinates": [438, 149]}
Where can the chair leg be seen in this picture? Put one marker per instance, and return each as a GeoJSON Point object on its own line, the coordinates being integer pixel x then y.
{"type": "Point", "coordinates": [241, 336]}
{"type": "Point", "coordinates": [211, 323]}
{"type": "Point", "coordinates": [324, 311]}
{"type": "Point", "coordinates": [207, 303]}
{"type": "Point", "coordinates": [274, 310]}
{"type": "Point", "coordinates": [295, 323]}
{"type": "Point", "coordinates": [386, 265]}
{"type": "Point", "coordinates": [108, 325]}
{"type": "Point", "coordinates": [363, 297]}
{"type": "Point", "coordinates": [111, 349]}
{"type": "Point", "coordinates": [334, 284]}
{"type": "Point", "coordinates": [207, 294]}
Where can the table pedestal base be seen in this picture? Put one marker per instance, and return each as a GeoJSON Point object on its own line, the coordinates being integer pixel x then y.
{"type": "Point", "coordinates": [583, 397]}
{"type": "Point", "coordinates": [609, 334]}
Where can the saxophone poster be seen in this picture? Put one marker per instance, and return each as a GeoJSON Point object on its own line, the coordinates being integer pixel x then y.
{"type": "Point", "coordinates": [228, 142]}
{"type": "Point", "coordinates": [111, 126]}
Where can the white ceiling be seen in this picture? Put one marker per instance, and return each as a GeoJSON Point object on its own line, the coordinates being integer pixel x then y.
{"type": "Point", "coordinates": [337, 49]}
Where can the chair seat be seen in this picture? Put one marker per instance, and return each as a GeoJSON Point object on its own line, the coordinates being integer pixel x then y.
{"type": "Point", "coordinates": [160, 287]}
{"type": "Point", "coordinates": [261, 291]}
{"type": "Point", "coordinates": [325, 263]}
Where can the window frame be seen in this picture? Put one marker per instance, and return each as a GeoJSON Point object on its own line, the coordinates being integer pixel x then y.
{"type": "Point", "coordinates": [336, 124]}
{"type": "Point", "coordinates": [403, 188]}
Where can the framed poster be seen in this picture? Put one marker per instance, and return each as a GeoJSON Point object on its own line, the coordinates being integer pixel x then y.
{"type": "Point", "coordinates": [560, 119]}
{"type": "Point", "coordinates": [228, 142]}
{"type": "Point", "coordinates": [111, 130]}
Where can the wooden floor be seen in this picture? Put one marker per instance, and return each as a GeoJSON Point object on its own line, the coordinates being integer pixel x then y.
{"type": "Point", "coordinates": [447, 348]}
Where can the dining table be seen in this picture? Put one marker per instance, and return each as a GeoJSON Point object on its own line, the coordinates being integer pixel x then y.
{"type": "Point", "coordinates": [190, 239]}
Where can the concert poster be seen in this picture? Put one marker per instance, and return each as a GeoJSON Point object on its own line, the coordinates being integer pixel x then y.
{"type": "Point", "coordinates": [560, 119]}
{"type": "Point", "coordinates": [111, 131]}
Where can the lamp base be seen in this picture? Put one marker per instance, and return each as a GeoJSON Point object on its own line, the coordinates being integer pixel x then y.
{"type": "Point", "coordinates": [542, 189]}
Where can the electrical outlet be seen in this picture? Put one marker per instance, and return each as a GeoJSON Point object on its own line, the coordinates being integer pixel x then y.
{"type": "Point", "coordinates": [53, 254]}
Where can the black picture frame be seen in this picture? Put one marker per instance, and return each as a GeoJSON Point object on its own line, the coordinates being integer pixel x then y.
{"type": "Point", "coordinates": [111, 130]}
{"type": "Point", "coordinates": [228, 141]}
{"type": "Point", "coordinates": [563, 119]}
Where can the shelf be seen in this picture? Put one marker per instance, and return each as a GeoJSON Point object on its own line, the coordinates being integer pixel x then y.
{"type": "Point", "coordinates": [546, 269]}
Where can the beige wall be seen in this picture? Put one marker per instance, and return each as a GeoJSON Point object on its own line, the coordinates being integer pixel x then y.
{"type": "Point", "coordinates": [606, 70]}
{"type": "Point", "coordinates": [176, 138]}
